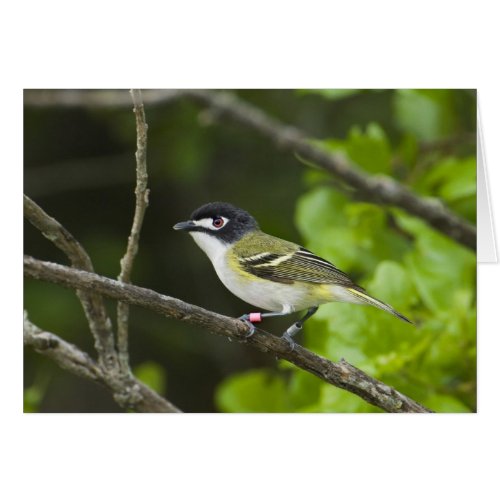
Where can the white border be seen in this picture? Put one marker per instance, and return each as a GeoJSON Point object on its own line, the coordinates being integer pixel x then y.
{"type": "Point", "coordinates": [228, 44]}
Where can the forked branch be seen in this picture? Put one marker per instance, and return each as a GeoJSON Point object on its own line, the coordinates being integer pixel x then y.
{"type": "Point", "coordinates": [127, 392]}
{"type": "Point", "coordinates": [93, 305]}
{"type": "Point", "coordinates": [112, 368]}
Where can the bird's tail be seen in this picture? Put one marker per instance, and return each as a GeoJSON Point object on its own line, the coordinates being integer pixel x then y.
{"type": "Point", "coordinates": [366, 299]}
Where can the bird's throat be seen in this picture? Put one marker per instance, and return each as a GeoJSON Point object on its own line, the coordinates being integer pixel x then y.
{"type": "Point", "coordinates": [211, 245]}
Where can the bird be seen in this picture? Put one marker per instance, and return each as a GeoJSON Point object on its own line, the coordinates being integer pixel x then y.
{"type": "Point", "coordinates": [272, 274]}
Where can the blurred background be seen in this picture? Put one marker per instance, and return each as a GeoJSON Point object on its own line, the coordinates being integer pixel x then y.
{"type": "Point", "coordinates": [80, 168]}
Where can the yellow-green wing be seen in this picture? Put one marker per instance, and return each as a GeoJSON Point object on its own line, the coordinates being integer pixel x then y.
{"type": "Point", "coordinates": [285, 262]}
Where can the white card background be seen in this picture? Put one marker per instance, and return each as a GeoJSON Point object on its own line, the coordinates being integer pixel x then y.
{"type": "Point", "coordinates": [226, 456]}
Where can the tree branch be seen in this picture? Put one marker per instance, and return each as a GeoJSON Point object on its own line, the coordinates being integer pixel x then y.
{"type": "Point", "coordinates": [113, 368]}
{"type": "Point", "coordinates": [340, 374]}
{"type": "Point", "coordinates": [93, 305]}
{"type": "Point", "coordinates": [128, 392]}
{"type": "Point", "coordinates": [373, 188]}
{"type": "Point", "coordinates": [141, 203]}
{"type": "Point", "coordinates": [378, 188]}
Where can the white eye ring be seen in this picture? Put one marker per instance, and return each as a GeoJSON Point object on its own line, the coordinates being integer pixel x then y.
{"type": "Point", "coordinates": [208, 223]}
{"type": "Point", "coordinates": [218, 223]}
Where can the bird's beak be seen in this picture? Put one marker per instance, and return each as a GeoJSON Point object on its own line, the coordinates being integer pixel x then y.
{"type": "Point", "coordinates": [185, 226]}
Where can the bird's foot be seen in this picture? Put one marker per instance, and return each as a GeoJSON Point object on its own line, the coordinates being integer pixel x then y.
{"type": "Point", "coordinates": [249, 320]}
{"type": "Point", "coordinates": [296, 327]}
{"type": "Point", "coordinates": [291, 343]}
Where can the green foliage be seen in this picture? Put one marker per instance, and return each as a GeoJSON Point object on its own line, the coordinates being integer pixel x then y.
{"type": "Point", "coordinates": [262, 391]}
{"type": "Point", "coordinates": [442, 271]}
{"type": "Point", "coordinates": [32, 398]}
{"type": "Point", "coordinates": [369, 149]}
{"type": "Point", "coordinates": [34, 394]}
{"type": "Point", "coordinates": [253, 391]}
{"type": "Point", "coordinates": [429, 114]}
{"type": "Point", "coordinates": [414, 136]}
{"type": "Point", "coordinates": [350, 230]}
{"type": "Point", "coordinates": [454, 181]}
{"type": "Point", "coordinates": [153, 375]}
{"type": "Point", "coordinates": [398, 259]}
{"type": "Point", "coordinates": [331, 94]}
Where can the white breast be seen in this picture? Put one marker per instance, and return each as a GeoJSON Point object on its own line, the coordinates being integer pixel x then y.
{"type": "Point", "coordinates": [263, 294]}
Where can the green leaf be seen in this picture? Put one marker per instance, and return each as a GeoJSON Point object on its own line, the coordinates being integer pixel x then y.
{"type": "Point", "coordinates": [392, 284]}
{"type": "Point", "coordinates": [440, 268]}
{"type": "Point", "coordinates": [370, 150]}
{"type": "Point", "coordinates": [453, 178]}
{"type": "Point", "coordinates": [35, 393]}
{"type": "Point", "coordinates": [374, 241]}
{"type": "Point", "coordinates": [359, 333]}
{"type": "Point", "coordinates": [353, 236]}
{"type": "Point", "coordinates": [442, 403]}
{"type": "Point", "coordinates": [336, 400]}
{"type": "Point", "coordinates": [33, 396]}
{"type": "Point", "coordinates": [252, 391]}
{"type": "Point", "coordinates": [318, 210]}
{"type": "Point", "coordinates": [153, 375]}
{"type": "Point", "coordinates": [303, 390]}
{"type": "Point", "coordinates": [429, 114]}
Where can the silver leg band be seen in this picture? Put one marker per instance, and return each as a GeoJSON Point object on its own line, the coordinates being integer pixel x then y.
{"type": "Point", "coordinates": [295, 328]}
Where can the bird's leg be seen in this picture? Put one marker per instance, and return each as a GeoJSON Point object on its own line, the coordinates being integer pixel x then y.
{"type": "Point", "coordinates": [251, 318]}
{"type": "Point", "coordinates": [296, 327]}
{"type": "Point", "coordinates": [246, 319]}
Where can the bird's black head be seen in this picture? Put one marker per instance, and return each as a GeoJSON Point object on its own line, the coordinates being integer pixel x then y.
{"type": "Point", "coordinates": [222, 220]}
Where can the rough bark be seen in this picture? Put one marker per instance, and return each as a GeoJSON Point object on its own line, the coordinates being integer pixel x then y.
{"type": "Point", "coordinates": [127, 391]}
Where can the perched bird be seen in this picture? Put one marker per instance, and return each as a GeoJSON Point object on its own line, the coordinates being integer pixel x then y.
{"type": "Point", "coordinates": [268, 272]}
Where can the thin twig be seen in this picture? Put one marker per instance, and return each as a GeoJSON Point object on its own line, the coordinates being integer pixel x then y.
{"type": "Point", "coordinates": [93, 305]}
{"type": "Point", "coordinates": [340, 374]}
{"type": "Point", "coordinates": [129, 393]}
{"type": "Point", "coordinates": [141, 203]}
{"type": "Point", "coordinates": [373, 188]}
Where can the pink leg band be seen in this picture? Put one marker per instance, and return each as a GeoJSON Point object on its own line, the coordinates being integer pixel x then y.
{"type": "Point", "coordinates": [255, 317]}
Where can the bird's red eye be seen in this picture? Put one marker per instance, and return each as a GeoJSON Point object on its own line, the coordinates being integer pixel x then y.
{"type": "Point", "coordinates": [218, 222]}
